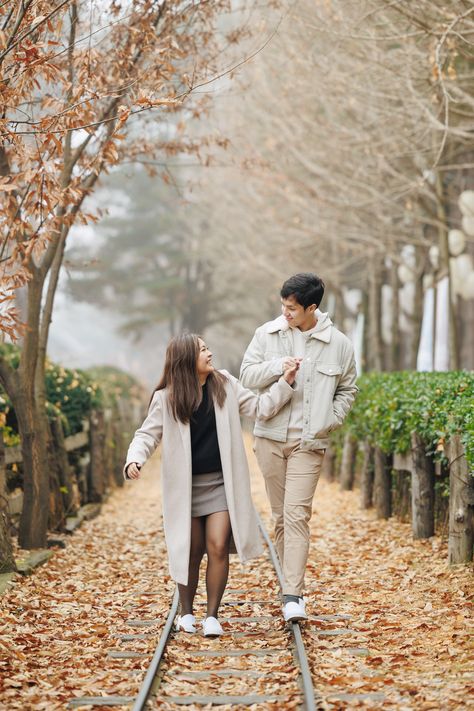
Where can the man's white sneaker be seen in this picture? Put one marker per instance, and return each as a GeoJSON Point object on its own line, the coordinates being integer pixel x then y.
{"type": "Point", "coordinates": [186, 623]}
{"type": "Point", "coordinates": [211, 627]}
{"type": "Point", "coordinates": [294, 611]}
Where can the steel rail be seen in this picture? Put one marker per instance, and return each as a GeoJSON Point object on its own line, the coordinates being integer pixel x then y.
{"type": "Point", "coordinates": [307, 682]}
{"type": "Point", "coordinates": [145, 688]}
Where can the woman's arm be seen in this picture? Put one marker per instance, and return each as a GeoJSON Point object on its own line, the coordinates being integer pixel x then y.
{"type": "Point", "coordinates": [267, 404]}
{"type": "Point", "coordinates": [147, 438]}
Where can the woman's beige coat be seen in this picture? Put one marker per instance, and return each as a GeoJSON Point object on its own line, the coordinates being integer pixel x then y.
{"type": "Point", "coordinates": [175, 438]}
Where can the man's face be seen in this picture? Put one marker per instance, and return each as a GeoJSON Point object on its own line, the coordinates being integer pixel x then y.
{"type": "Point", "coordinates": [295, 313]}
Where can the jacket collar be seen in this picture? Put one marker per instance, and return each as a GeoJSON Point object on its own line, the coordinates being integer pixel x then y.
{"type": "Point", "coordinates": [280, 324]}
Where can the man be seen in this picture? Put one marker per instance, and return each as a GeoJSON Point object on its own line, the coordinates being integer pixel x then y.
{"type": "Point", "coordinates": [290, 446]}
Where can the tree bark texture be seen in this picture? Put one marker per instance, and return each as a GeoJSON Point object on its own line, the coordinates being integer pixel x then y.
{"type": "Point", "coordinates": [461, 505]}
{"type": "Point", "coordinates": [349, 453]}
{"type": "Point", "coordinates": [422, 490]}
{"type": "Point", "coordinates": [7, 560]}
{"type": "Point", "coordinates": [395, 344]}
{"type": "Point", "coordinates": [35, 512]}
{"type": "Point", "coordinates": [382, 484]}
{"type": "Point", "coordinates": [367, 477]}
{"type": "Point", "coordinates": [375, 345]}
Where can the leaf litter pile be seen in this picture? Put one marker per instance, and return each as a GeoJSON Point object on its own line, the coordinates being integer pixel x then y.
{"type": "Point", "coordinates": [390, 623]}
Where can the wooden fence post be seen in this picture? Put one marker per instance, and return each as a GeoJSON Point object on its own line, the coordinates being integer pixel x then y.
{"type": "Point", "coordinates": [422, 490]}
{"type": "Point", "coordinates": [7, 560]}
{"type": "Point", "coordinates": [97, 458]}
{"type": "Point", "coordinates": [117, 446]}
{"type": "Point", "coordinates": [367, 477]}
{"type": "Point", "coordinates": [65, 474]}
{"type": "Point", "coordinates": [382, 484]}
{"type": "Point", "coordinates": [327, 469]}
{"type": "Point", "coordinates": [349, 452]}
{"type": "Point", "coordinates": [461, 503]}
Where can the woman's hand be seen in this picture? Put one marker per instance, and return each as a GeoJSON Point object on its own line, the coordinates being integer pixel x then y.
{"type": "Point", "coordinates": [133, 470]}
{"type": "Point", "coordinates": [290, 370]}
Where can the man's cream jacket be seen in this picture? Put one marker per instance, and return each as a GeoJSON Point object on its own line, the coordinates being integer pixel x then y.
{"type": "Point", "coordinates": [329, 376]}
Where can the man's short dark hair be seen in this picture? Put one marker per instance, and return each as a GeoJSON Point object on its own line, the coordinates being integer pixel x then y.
{"type": "Point", "coordinates": [307, 288]}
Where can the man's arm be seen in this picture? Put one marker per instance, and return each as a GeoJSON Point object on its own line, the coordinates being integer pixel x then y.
{"type": "Point", "coordinates": [255, 372]}
{"type": "Point", "coordinates": [346, 389]}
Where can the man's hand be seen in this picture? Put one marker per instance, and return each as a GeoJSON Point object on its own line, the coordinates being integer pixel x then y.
{"type": "Point", "coordinates": [133, 470]}
{"type": "Point", "coordinates": [290, 368]}
{"type": "Point", "coordinates": [290, 362]}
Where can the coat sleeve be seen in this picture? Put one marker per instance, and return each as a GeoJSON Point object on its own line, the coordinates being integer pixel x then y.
{"type": "Point", "coordinates": [147, 438]}
{"type": "Point", "coordinates": [263, 406]}
{"type": "Point", "coordinates": [255, 371]}
{"type": "Point", "coordinates": [346, 389]}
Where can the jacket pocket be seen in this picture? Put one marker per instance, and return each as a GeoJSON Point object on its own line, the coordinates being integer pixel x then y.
{"type": "Point", "coordinates": [331, 369]}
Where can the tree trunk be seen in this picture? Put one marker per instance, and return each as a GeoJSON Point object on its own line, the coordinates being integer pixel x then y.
{"type": "Point", "coordinates": [375, 353]}
{"type": "Point", "coordinates": [7, 560]}
{"type": "Point", "coordinates": [367, 477]}
{"type": "Point", "coordinates": [395, 344]}
{"type": "Point", "coordinates": [34, 516]}
{"type": "Point", "coordinates": [422, 490]}
{"type": "Point", "coordinates": [327, 470]}
{"type": "Point", "coordinates": [444, 258]}
{"type": "Point", "coordinates": [70, 503]}
{"type": "Point", "coordinates": [365, 332]}
{"type": "Point", "coordinates": [416, 322]}
{"type": "Point", "coordinates": [97, 474]}
{"type": "Point", "coordinates": [461, 505]}
{"type": "Point", "coordinates": [382, 484]}
{"type": "Point", "coordinates": [349, 453]}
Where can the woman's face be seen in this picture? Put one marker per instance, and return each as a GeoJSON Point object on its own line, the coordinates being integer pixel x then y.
{"type": "Point", "coordinates": [204, 361]}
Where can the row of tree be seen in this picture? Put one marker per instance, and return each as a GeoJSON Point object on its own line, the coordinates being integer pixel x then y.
{"type": "Point", "coordinates": [84, 86]}
{"type": "Point", "coordinates": [352, 142]}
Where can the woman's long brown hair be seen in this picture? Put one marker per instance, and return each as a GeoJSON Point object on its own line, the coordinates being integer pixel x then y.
{"type": "Point", "coordinates": [180, 378]}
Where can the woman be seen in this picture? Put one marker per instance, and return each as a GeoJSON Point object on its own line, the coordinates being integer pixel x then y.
{"type": "Point", "coordinates": [195, 414]}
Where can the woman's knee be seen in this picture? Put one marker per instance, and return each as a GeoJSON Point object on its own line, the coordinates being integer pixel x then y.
{"type": "Point", "coordinates": [217, 547]}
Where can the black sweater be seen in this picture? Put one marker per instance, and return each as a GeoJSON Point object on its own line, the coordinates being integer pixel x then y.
{"type": "Point", "coordinates": [205, 452]}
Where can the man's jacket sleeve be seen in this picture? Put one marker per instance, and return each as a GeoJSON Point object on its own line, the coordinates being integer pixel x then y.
{"type": "Point", "coordinates": [255, 371]}
{"type": "Point", "coordinates": [346, 389]}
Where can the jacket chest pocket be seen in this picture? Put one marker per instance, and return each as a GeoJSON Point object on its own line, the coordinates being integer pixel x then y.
{"type": "Point", "coordinates": [325, 379]}
{"type": "Point", "coordinates": [332, 370]}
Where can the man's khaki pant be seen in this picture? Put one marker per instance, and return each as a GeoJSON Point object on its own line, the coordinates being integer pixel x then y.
{"type": "Point", "coordinates": [291, 476]}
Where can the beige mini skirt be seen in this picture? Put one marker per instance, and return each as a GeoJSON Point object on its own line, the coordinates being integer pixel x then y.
{"type": "Point", "coordinates": [208, 494]}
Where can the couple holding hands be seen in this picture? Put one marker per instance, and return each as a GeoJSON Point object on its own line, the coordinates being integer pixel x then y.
{"type": "Point", "coordinates": [297, 381]}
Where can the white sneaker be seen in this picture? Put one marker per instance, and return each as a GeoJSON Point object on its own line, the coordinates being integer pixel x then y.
{"type": "Point", "coordinates": [211, 627]}
{"type": "Point", "coordinates": [303, 604]}
{"type": "Point", "coordinates": [294, 611]}
{"type": "Point", "coordinates": [186, 623]}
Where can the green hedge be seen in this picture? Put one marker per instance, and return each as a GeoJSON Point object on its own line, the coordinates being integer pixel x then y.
{"type": "Point", "coordinates": [71, 393]}
{"type": "Point", "coordinates": [390, 406]}
{"type": "Point", "coordinates": [117, 385]}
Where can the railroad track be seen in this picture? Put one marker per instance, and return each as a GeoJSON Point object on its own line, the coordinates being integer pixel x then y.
{"type": "Point", "coordinates": [259, 661]}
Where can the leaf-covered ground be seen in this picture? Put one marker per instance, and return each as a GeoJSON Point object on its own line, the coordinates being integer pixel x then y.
{"type": "Point", "coordinates": [403, 638]}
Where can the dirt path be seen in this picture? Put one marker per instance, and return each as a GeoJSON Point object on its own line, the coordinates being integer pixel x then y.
{"type": "Point", "coordinates": [404, 639]}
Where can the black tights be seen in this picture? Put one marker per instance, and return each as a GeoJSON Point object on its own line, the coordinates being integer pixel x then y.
{"type": "Point", "coordinates": [209, 534]}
